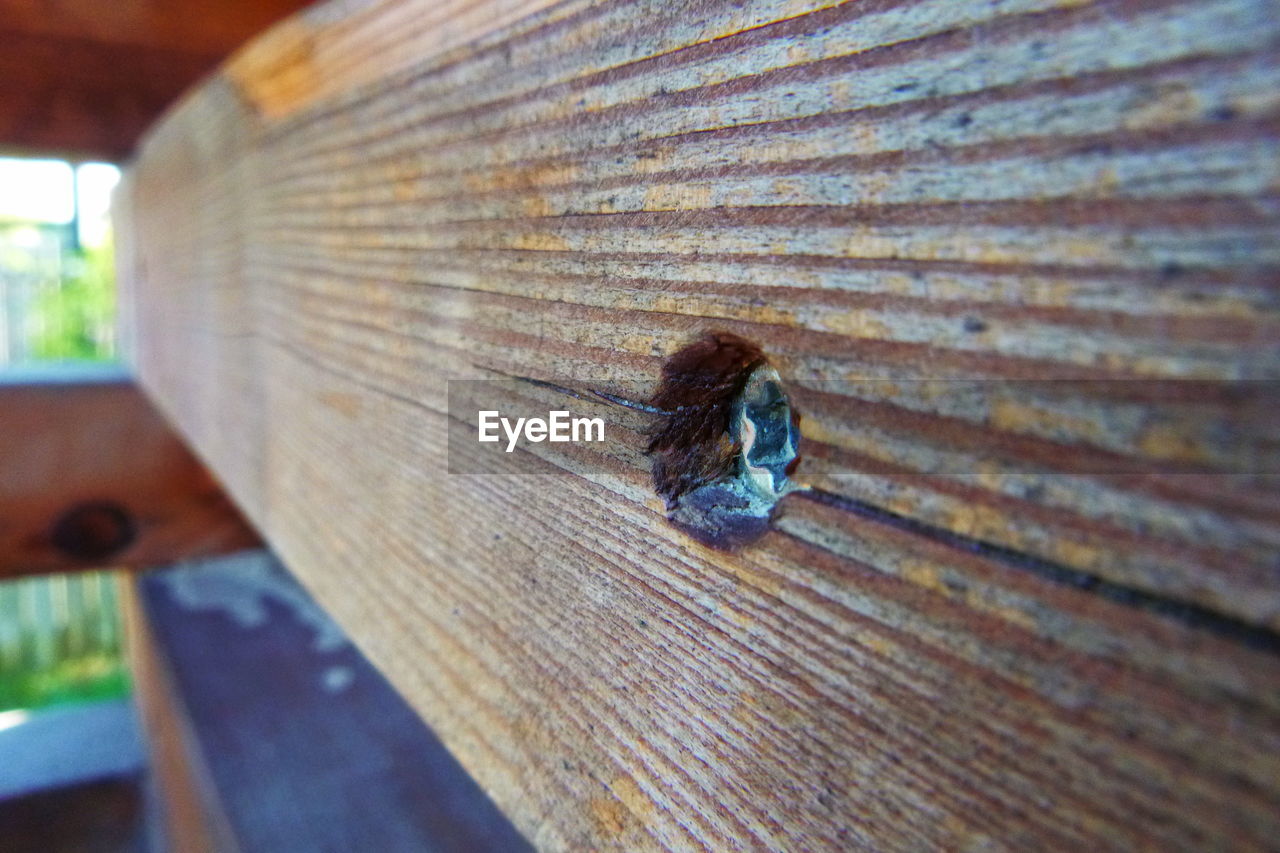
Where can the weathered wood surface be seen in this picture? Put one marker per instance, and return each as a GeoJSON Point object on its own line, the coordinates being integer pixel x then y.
{"type": "Point", "coordinates": [85, 78]}
{"type": "Point", "coordinates": [1070, 644]}
{"type": "Point", "coordinates": [90, 440]}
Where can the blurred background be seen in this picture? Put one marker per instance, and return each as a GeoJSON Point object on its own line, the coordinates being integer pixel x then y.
{"type": "Point", "coordinates": [59, 634]}
{"type": "Point", "coordinates": [205, 703]}
{"type": "Point", "coordinates": [80, 81]}
{"type": "Point", "coordinates": [57, 290]}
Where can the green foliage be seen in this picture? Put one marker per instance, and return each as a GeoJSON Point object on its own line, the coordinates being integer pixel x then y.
{"type": "Point", "coordinates": [102, 675]}
{"type": "Point", "coordinates": [61, 640]}
{"type": "Point", "coordinates": [76, 321]}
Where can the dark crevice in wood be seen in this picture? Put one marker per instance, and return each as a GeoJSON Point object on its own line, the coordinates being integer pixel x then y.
{"type": "Point", "coordinates": [1190, 615]}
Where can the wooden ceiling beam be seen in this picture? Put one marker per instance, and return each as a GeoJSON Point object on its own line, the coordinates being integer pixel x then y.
{"type": "Point", "coordinates": [80, 98]}
{"type": "Point", "coordinates": [91, 476]}
{"type": "Point", "coordinates": [86, 80]}
{"type": "Point", "coordinates": [214, 27]}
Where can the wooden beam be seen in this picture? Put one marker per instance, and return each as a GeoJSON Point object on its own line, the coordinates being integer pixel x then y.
{"type": "Point", "coordinates": [200, 27]}
{"type": "Point", "coordinates": [189, 812]}
{"type": "Point", "coordinates": [85, 79]}
{"type": "Point", "coordinates": [90, 476]}
{"type": "Point", "coordinates": [1031, 600]}
{"type": "Point", "coordinates": [79, 98]}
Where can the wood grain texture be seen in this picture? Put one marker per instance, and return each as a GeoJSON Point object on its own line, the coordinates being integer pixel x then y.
{"type": "Point", "coordinates": [66, 443]}
{"type": "Point", "coordinates": [1036, 614]}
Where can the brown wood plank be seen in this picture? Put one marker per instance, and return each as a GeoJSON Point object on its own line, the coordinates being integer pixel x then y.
{"type": "Point", "coordinates": [79, 98]}
{"type": "Point", "coordinates": [1018, 262]}
{"type": "Point", "coordinates": [90, 446]}
{"type": "Point", "coordinates": [86, 79]}
{"type": "Point", "coordinates": [209, 27]}
{"type": "Point", "coordinates": [190, 811]}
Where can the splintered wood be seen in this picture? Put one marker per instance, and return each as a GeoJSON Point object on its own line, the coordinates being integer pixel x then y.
{"type": "Point", "coordinates": [1016, 262]}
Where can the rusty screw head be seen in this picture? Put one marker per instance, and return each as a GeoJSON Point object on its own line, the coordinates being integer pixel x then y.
{"type": "Point", "coordinates": [94, 531]}
{"type": "Point", "coordinates": [724, 455]}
